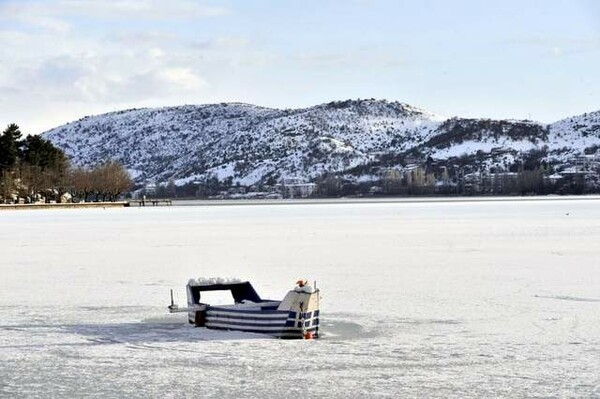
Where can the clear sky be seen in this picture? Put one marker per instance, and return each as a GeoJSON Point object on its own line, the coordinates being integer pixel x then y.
{"type": "Point", "coordinates": [61, 60]}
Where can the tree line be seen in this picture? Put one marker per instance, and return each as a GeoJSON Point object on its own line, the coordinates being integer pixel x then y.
{"type": "Point", "coordinates": [33, 169]}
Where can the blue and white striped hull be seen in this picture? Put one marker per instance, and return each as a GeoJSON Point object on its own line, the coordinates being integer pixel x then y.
{"type": "Point", "coordinates": [282, 324]}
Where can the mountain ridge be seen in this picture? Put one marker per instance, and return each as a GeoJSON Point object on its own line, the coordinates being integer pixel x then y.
{"type": "Point", "coordinates": [356, 139]}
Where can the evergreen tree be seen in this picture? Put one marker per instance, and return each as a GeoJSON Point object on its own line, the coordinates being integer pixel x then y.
{"type": "Point", "coordinates": [9, 147]}
{"type": "Point", "coordinates": [40, 152]}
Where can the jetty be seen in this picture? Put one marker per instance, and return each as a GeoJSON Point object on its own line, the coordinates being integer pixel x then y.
{"type": "Point", "coordinates": [151, 202]}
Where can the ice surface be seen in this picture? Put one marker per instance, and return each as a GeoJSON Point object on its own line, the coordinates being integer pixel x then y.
{"type": "Point", "coordinates": [431, 299]}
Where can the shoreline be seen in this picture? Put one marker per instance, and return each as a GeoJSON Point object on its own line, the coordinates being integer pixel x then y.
{"type": "Point", "coordinates": [387, 200]}
{"type": "Point", "coordinates": [305, 201]}
{"type": "Point", "coordinates": [120, 204]}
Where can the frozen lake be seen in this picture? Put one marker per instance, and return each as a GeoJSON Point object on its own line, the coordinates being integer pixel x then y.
{"type": "Point", "coordinates": [431, 299]}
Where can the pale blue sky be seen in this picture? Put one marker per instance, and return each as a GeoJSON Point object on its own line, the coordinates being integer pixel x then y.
{"type": "Point", "coordinates": [64, 59]}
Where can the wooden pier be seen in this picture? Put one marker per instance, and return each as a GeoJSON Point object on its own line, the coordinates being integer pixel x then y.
{"type": "Point", "coordinates": [151, 202]}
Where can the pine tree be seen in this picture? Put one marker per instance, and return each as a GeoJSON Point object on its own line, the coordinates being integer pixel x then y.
{"type": "Point", "coordinates": [9, 147]}
{"type": "Point", "coordinates": [41, 153]}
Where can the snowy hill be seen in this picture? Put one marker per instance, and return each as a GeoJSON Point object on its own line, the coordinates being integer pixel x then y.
{"type": "Point", "coordinates": [354, 138]}
{"type": "Point", "coordinates": [575, 135]}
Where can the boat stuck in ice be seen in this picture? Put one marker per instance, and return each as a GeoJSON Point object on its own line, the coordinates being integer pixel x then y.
{"type": "Point", "coordinates": [296, 316]}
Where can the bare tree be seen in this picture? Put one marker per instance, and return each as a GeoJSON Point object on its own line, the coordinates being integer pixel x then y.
{"type": "Point", "coordinates": [392, 182]}
{"type": "Point", "coordinates": [58, 177]}
{"type": "Point", "coordinates": [33, 181]}
{"type": "Point", "coordinates": [119, 180]}
{"type": "Point", "coordinates": [330, 186]}
{"type": "Point", "coordinates": [81, 182]}
{"type": "Point", "coordinates": [110, 180]}
{"type": "Point", "coordinates": [7, 184]}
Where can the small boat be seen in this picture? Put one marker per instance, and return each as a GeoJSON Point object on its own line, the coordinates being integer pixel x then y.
{"type": "Point", "coordinates": [296, 316]}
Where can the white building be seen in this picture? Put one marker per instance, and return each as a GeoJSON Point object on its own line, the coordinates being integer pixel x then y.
{"type": "Point", "coordinates": [294, 187]}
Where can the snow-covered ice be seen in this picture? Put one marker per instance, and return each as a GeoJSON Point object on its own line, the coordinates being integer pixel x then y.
{"type": "Point", "coordinates": [429, 299]}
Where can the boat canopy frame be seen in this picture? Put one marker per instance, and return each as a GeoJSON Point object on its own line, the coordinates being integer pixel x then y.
{"type": "Point", "coordinates": [240, 292]}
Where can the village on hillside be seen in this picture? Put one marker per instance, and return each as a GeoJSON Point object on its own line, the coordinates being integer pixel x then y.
{"type": "Point", "coordinates": [580, 175]}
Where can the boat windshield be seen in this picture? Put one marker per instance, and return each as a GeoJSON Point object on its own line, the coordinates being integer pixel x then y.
{"type": "Point", "coordinates": [217, 297]}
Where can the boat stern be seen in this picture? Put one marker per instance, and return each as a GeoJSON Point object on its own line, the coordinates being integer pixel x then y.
{"type": "Point", "coordinates": [303, 305]}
